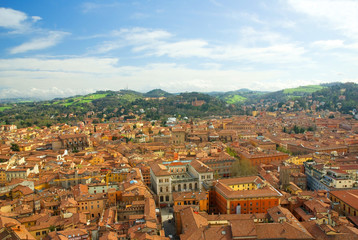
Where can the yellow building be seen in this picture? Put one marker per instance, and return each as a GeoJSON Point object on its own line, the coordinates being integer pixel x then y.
{"type": "Point", "coordinates": [116, 176]}
{"type": "Point", "coordinates": [293, 189]}
{"type": "Point", "coordinates": [96, 160]}
{"type": "Point", "coordinates": [40, 231]}
{"type": "Point", "coordinates": [2, 176]}
{"type": "Point", "coordinates": [200, 199]}
{"type": "Point", "coordinates": [298, 160]}
{"type": "Point", "coordinates": [25, 147]}
{"type": "Point", "coordinates": [345, 201]}
{"type": "Point", "coordinates": [243, 186]}
{"type": "Point", "coordinates": [41, 185]}
{"type": "Point", "coordinates": [92, 204]}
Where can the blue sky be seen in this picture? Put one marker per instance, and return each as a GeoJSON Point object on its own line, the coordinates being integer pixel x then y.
{"type": "Point", "coordinates": [63, 48]}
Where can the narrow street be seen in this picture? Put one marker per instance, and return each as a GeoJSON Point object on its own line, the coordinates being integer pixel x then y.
{"type": "Point", "coordinates": [168, 222]}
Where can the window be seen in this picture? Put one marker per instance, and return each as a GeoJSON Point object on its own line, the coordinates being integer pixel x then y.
{"type": "Point", "coordinates": [44, 232]}
{"type": "Point", "coordinates": [38, 233]}
{"type": "Point", "coordinates": [167, 198]}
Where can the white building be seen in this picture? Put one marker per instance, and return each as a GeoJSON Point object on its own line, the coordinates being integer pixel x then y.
{"type": "Point", "coordinates": [178, 176]}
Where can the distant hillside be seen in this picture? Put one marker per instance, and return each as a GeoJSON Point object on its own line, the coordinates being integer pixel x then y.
{"type": "Point", "coordinates": [155, 93]}
{"type": "Point", "coordinates": [342, 97]}
{"type": "Point", "coordinates": [303, 89]}
{"type": "Point", "coordinates": [287, 94]}
{"type": "Point", "coordinates": [238, 96]}
{"type": "Point", "coordinates": [106, 105]}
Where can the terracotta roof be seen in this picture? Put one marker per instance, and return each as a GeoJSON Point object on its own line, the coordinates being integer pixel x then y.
{"type": "Point", "coordinates": [227, 192]}
{"type": "Point", "coordinates": [242, 180]}
{"type": "Point", "coordinates": [182, 196]}
{"type": "Point", "coordinates": [159, 169]}
{"type": "Point", "coordinates": [243, 228]}
{"type": "Point", "coordinates": [200, 167]}
{"type": "Point", "coordinates": [350, 197]}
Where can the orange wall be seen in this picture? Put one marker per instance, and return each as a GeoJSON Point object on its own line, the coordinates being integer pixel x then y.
{"type": "Point", "coordinates": [258, 205]}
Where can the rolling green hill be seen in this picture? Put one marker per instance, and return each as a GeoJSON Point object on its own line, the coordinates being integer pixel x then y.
{"type": "Point", "coordinates": [303, 89]}
{"type": "Point", "coordinates": [155, 93]}
{"type": "Point", "coordinates": [107, 105]}
{"type": "Point", "coordinates": [232, 99]}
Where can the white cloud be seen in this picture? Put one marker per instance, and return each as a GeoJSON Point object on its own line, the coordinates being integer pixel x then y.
{"type": "Point", "coordinates": [139, 15]}
{"type": "Point", "coordinates": [255, 46]}
{"type": "Point", "coordinates": [139, 37]}
{"type": "Point", "coordinates": [90, 6]}
{"type": "Point", "coordinates": [339, 14]}
{"type": "Point", "coordinates": [36, 18]}
{"type": "Point", "coordinates": [43, 93]}
{"type": "Point", "coordinates": [328, 44]}
{"type": "Point", "coordinates": [55, 77]}
{"type": "Point", "coordinates": [12, 19]}
{"type": "Point", "coordinates": [53, 38]}
{"type": "Point", "coordinates": [103, 73]}
{"type": "Point", "coordinates": [334, 44]}
{"type": "Point", "coordinates": [249, 35]}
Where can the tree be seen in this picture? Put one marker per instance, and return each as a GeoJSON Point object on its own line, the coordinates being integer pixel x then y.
{"type": "Point", "coordinates": [243, 168]}
{"type": "Point", "coordinates": [231, 152]}
{"type": "Point", "coordinates": [15, 147]}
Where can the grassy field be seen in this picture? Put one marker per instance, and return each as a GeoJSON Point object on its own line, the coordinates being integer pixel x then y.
{"type": "Point", "coordinates": [4, 108]}
{"type": "Point", "coordinates": [130, 97]}
{"type": "Point", "coordinates": [81, 99]}
{"type": "Point", "coordinates": [305, 89]}
{"type": "Point", "coordinates": [231, 99]}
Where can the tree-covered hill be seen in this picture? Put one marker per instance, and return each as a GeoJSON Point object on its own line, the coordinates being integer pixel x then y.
{"type": "Point", "coordinates": [109, 105]}
{"type": "Point", "coordinates": [342, 97]}
{"type": "Point", "coordinates": [156, 93]}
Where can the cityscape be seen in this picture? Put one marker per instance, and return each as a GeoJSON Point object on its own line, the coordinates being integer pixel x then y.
{"type": "Point", "coordinates": [163, 120]}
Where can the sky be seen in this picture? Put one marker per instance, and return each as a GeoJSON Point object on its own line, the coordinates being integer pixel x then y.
{"type": "Point", "coordinates": [63, 48]}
